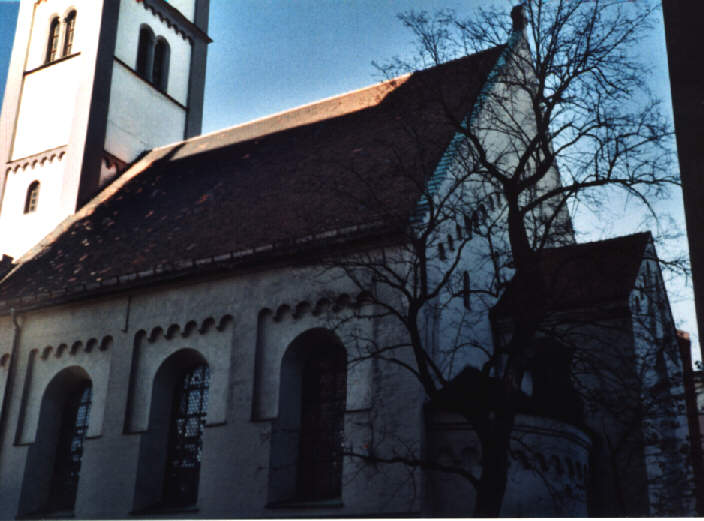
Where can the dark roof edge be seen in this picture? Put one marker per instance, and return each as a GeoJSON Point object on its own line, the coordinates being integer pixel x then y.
{"type": "Point", "coordinates": [370, 235]}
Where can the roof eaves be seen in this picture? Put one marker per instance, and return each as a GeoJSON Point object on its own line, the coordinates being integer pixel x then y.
{"type": "Point", "coordinates": [183, 268]}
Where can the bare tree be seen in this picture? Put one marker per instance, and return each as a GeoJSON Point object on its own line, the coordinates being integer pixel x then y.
{"type": "Point", "coordinates": [567, 119]}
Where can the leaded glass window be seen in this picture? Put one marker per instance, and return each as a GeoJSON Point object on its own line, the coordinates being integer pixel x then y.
{"type": "Point", "coordinates": [69, 450]}
{"type": "Point", "coordinates": [185, 438]}
{"type": "Point", "coordinates": [324, 393]}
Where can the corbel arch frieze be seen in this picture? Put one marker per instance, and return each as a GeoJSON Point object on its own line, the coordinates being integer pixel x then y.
{"type": "Point", "coordinates": [166, 20]}
{"type": "Point", "coordinates": [210, 337]}
{"type": "Point", "coordinates": [36, 160]}
{"type": "Point", "coordinates": [279, 326]}
{"type": "Point", "coordinates": [92, 355]}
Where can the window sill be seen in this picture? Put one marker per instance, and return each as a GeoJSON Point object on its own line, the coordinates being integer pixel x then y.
{"type": "Point", "coordinates": [58, 514]}
{"type": "Point", "coordinates": [298, 503]}
{"type": "Point", "coordinates": [159, 510]}
{"type": "Point", "coordinates": [49, 64]}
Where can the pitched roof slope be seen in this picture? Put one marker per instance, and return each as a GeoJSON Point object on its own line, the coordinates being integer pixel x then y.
{"type": "Point", "coordinates": [344, 162]}
{"type": "Point", "coordinates": [587, 274]}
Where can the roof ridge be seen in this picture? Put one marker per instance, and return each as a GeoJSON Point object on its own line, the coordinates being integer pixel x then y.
{"type": "Point", "coordinates": [297, 108]}
{"type": "Point", "coordinates": [321, 102]}
{"type": "Point", "coordinates": [645, 234]}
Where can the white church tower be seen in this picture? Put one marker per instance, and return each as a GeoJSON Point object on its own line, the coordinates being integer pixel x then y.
{"type": "Point", "coordinates": [92, 84]}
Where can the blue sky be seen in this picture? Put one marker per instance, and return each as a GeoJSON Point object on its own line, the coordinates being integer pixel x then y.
{"type": "Point", "coordinates": [270, 55]}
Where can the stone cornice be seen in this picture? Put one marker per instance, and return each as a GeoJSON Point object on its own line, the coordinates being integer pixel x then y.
{"type": "Point", "coordinates": [173, 18]}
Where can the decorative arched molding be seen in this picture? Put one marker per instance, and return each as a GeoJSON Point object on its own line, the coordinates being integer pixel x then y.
{"type": "Point", "coordinates": [36, 160]}
{"type": "Point", "coordinates": [46, 362]}
{"type": "Point", "coordinates": [277, 329]}
{"type": "Point", "coordinates": [542, 451]}
{"type": "Point", "coordinates": [211, 338]}
{"type": "Point", "coordinates": [166, 21]}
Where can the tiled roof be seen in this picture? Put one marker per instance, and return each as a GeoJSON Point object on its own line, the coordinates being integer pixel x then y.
{"type": "Point", "coordinates": [587, 274]}
{"type": "Point", "coordinates": [350, 162]}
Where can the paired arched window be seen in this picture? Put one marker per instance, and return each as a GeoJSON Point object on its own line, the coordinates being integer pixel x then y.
{"type": "Point", "coordinates": [69, 29]}
{"type": "Point", "coordinates": [170, 452]}
{"type": "Point", "coordinates": [153, 55]}
{"type": "Point", "coordinates": [52, 45]}
{"type": "Point", "coordinates": [32, 197]}
{"type": "Point", "coordinates": [160, 71]}
{"type": "Point", "coordinates": [54, 460]}
{"type": "Point", "coordinates": [307, 439]}
{"type": "Point", "coordinates": [145, 50]}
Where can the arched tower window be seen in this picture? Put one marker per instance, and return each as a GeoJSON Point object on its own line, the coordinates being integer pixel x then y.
{"type": "Point", "coordinates": [187, 423]}
{"type": "Point", "coordinates": [160, 72]}
{"type": "Point", "coordinates": [69, 450]}
{"type": "Point", "coordinates": [307, 438]}
{"type": "Point", "coordinates": [52, 44]}
{"type": "Point", "coordinates": [32, 198]}
{"type": "Point", "coordinates": [69, 29]}
{"type": "Point", "coordinates": [145, 53]}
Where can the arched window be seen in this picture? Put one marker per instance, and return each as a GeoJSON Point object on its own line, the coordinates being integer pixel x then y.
{"type": "Point", "coordinates": [170, 450]}
{"type": "Point", "coordinates": [324, 386]}
{"type": "Point", "coordinates": [52, 44]}
{"type": "Point", "coordinates": [69, 449]}
{"type": "Point", "coordinates": [145, 53]}
{"type": "Point", "coordinates": [187, 423]}
{"type": "Point", "coordinates": [69, 28]}
{"type": "Point", "coordinates": [32, 198]}
{"type": "Point", "coordinates": [53, 466]}
{"type": "Point", "coordinates": [307, 438]}
{"type": "Point", "coordinates": [160, 72]}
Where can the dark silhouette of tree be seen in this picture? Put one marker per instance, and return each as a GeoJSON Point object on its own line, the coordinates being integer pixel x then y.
{"type": "Point", "coordinates": [569, 118]}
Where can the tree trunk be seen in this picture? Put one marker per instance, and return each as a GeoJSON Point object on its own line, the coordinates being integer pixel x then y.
{"type": "Point", "coordinates": [495, 463]}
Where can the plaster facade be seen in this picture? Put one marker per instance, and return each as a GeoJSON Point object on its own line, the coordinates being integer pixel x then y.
{"type": "Point", "coordinates": [254, 325]}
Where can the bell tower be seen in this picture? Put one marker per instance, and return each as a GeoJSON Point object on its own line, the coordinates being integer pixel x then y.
{"type": "Point", "coordinates": [92, 84]}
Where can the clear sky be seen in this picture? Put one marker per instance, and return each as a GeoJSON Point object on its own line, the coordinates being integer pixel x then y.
{"type": "Point", "coordinates": [270, 55]}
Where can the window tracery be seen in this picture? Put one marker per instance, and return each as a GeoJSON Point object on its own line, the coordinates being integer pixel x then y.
{"type": "Point", "coordinates": [190, 403]}
{"type": "Point", "coordinates": [69, 450]}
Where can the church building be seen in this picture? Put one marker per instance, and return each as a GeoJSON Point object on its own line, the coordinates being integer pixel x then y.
{"type": "Point", "coordinates": [183, 331]}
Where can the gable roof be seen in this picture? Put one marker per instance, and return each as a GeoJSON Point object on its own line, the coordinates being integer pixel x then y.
{"type": "Point", "coordinates": [587, 274]}
{"type": "Point", "coordinates": [355, 162]}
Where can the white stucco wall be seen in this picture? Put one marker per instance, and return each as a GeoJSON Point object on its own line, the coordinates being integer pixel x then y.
{"type": "Point", "coordinates": [547, 475]}
{"type": "Point", "coordinates": [664, 423]}
{"type": "Point", "coordinates": [218, 318]}
{"type": "Point", "coordinates": [48, 103]}
{"type": "Point", "coordinates": [132, 16]}
{"type": "Point", "coordinates": [19, 231]}
{"type": "Point", "coordinates": [140, 117]}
